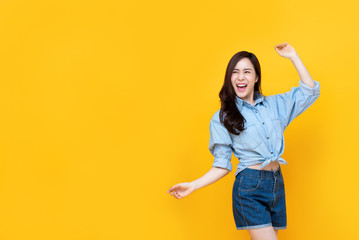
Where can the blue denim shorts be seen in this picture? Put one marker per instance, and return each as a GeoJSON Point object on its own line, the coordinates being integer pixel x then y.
{"type": "Point", "coordinates": [258, 198]}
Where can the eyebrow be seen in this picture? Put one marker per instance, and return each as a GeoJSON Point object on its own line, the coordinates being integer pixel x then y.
{"type": "Point", "coordinates": [243, 69]}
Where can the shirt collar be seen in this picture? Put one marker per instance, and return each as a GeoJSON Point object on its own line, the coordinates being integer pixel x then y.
{"type": "Point", "coordinates": [258, 98]}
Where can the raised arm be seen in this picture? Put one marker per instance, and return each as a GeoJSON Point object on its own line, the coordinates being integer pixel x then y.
{"type": "Point", "coordinates": [290, 104]}
{"type": "Point", "coordinates": [287, 51]}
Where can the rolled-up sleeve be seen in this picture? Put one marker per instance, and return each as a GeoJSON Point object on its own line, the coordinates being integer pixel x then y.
{"type": "Point", "coordinates": [220, 144]}
{"type": "Point", "coordinates": [291, 104]}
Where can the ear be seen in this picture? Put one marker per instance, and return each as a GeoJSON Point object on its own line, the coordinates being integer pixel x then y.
{"type": "Point", "coordinates": [257, 79]}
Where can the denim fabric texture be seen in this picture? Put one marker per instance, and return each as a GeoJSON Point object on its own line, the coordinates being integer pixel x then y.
{"type": "Point", "coordinates": [262, 140]}
{"type": "Point", "coordinates": [258, 199]}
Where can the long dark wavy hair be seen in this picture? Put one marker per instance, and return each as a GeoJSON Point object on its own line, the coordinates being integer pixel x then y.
{"type": "Point", "coordinates": [229, 114]}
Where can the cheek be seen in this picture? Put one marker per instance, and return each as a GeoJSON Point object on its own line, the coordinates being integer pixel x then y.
{"type": "Point", "coordinates": [233, 79]}
{"type": "Point", "coordinates": [253, 81]}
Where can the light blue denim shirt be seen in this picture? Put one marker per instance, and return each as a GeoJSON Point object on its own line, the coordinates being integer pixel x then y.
{"type": "Point", "coordinates": [262, 140]}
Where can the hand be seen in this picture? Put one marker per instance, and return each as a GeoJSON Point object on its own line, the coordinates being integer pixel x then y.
{"type": "Point", "coordinates": [182, 189]}
{"type": "Point", "coordinates": [285, 50]}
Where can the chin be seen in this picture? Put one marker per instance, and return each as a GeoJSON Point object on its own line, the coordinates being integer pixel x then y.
{"type": "Point", "coordinates": [242, 95]}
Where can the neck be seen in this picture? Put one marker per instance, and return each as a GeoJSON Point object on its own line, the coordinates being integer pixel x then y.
{"type": "Point", "coordinates": [249, 99]}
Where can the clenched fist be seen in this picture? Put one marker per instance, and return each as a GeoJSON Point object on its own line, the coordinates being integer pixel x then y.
{"type": "Point", "coordinates": [285, 50]}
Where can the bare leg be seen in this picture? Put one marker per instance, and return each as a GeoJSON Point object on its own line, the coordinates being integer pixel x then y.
{"type": "Point", "coordinates": [266, 233]}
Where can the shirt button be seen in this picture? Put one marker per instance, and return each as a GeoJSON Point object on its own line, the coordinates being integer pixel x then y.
{"type": "Point", "coordinates": [263, 123]}
{"type": "Point", "coordinates": [256, 111]}
{"type": "Point", "coordinates": [271, 152]}
{"type": "Point", "coordinates": [267, 137]}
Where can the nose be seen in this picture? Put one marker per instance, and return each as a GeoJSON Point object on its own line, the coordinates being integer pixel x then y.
{"type": "Point", "coordinates": [241, 76]}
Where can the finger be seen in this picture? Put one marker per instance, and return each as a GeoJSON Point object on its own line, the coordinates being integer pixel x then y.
{"type": "Point", "coordinates": [173, 188]}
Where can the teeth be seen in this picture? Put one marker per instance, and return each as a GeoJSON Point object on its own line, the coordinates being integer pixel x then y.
{"type": "Point", "coordinates": [241, 85]}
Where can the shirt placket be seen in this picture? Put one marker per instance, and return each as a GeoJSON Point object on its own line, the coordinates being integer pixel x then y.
{"type": "Point", "coordinates": [263, 123]}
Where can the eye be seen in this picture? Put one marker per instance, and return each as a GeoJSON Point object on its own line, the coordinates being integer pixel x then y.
{"type": "Point", "coordinates": [247, 71]}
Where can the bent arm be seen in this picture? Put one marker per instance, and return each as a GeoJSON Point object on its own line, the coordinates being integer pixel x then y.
{"type": "Point", "coordinates": [302, 71]}
{"type": "Point", "coordinates": [287, 51]}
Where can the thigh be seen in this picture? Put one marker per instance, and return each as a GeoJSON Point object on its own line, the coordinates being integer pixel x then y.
{"type": "Point", "coordinates": [278, 210]}
{"type": "Point", "coordinates": [250, 203]}
{"type": "Point", "coordinates": [266, 233]}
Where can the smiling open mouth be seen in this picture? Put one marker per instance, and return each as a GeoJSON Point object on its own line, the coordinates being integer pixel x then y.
{"type": "Point", "coordinates": [241, 87]}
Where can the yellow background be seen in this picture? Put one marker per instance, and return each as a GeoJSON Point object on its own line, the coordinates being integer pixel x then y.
{"type": "Point", "coordinates": [106, 104]}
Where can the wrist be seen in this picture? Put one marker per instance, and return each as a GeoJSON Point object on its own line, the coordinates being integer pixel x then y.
{"type": "Point", "coordinates": [195, 185]}
{"type": "Point", "coordinates": [294, 58]}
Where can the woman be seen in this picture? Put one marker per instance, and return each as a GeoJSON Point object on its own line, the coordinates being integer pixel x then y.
{"type": "Point", "coordinates": [251, 126]}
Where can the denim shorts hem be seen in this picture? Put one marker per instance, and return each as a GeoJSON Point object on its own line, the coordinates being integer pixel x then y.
{"type": "Point", "coordinates": [255, 226]}
{"type": "Point", "coordinates": [280, 228]}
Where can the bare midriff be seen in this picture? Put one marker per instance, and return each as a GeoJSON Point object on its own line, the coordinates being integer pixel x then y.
{"type": "Point", "coordinates": [270, 167]}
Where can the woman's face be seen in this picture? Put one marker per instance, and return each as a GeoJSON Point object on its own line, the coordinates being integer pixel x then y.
{"type": "Point", "coordinates": [243, 79]}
